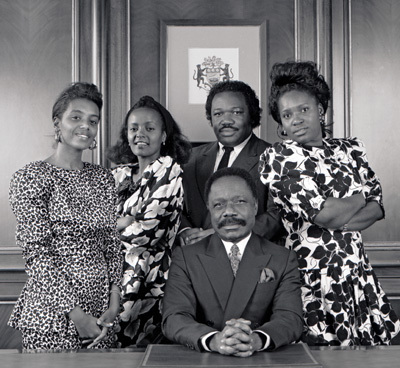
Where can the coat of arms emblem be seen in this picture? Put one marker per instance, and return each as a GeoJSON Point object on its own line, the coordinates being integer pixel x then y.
{"type": "Point", "coordinates": [211, 71]}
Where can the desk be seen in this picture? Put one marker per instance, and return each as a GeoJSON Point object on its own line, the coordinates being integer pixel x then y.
{"type": "Point", "coordinates": [328, 357]}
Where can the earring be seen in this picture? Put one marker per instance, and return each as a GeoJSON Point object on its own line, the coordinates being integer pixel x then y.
{"type": "Point", "coordinates": [93, 144]}
{"type": "Point", "coordinates": [57, 136]}
{"type": "Point", "coordinates": [322, 118]}
{"type": "Point", "coordinates": [281, 132]}
{"type": "Point", "coordinates": [163, 143]}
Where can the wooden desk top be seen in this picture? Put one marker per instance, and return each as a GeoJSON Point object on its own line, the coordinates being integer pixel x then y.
{"type": "Point", "coordinates": [328, 357]}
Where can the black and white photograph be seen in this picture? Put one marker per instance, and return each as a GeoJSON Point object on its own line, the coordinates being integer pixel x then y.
{"type": "Point", "coordinates": [199, 183]}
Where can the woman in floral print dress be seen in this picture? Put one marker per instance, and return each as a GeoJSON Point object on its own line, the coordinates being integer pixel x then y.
{"type": "Point", "coordinates": [66, 226]}
{"type": "Point", "coordinates": [327, 194]}
{"type": "Point", "coordinates": [150, 200]}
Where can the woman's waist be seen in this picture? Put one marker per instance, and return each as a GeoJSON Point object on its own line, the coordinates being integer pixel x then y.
{"type": "Point", "coordinates": [321, 255]}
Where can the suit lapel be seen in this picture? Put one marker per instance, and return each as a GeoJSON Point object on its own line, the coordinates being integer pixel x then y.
{"type": "Point", "coordinates": [218, 269]}
{"type": "Point", "coordinates": [247, 277]}
{"type": "Point", "coordinates": [205, 167]}
{"type": "Point", "coordinates": [248, 157]}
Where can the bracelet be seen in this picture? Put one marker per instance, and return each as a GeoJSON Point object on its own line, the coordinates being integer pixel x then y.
{"type": "Point", "coordinates": [116, 291]}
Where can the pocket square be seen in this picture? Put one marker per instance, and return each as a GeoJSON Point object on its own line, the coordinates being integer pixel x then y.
{"type": "Point", "coordinates": [267, 275]}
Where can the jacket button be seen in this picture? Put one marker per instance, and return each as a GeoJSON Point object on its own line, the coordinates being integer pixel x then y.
{"type": "Point", "coordinates": [210, 323]}
{"type": "Point", "coordinates": [256, 325]}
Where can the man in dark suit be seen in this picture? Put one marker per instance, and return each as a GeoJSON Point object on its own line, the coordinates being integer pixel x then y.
{"type": "Point", "coordinates": [234, 292]}
{"type": "Point", "coordinates": [233, 110]}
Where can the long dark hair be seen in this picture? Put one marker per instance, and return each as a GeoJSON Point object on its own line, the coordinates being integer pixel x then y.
{"type": "Point", "coordinates": [176, 144]}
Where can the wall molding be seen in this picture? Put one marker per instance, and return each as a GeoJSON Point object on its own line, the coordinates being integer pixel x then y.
{"type": "Point", "coordinates": [313, 36]}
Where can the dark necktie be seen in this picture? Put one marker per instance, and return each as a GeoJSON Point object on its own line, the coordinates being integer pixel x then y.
{"type": "Point", "coordinates": [225, 158]}
{"type": "Point", "coordinates": [234, 258]}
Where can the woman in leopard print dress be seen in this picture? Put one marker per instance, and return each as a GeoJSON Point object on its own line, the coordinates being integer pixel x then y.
{"type": "Point", "coordinates": [66, 226]}
{"type": "Point", "coordinates": [327, 194]}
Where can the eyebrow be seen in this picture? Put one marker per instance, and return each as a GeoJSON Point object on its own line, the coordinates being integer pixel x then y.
{"type": "Point", "coordinates": [229, 108]}
{"type": "Point", "coordinates": [296, 106]}
{"type": "Point", "coordinates": [81, 112]}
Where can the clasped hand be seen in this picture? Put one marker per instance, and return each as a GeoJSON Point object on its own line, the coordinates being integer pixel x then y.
{"type": "Point", "coordinates": [236, 339]}
{"type": "Point", "coordinates": [90, 329]}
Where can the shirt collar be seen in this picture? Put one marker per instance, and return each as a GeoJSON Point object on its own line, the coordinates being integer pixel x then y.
{"type": "Point", "coordinates": [241, 244]}
{"type": "Point", "coordinates": [237, 149]}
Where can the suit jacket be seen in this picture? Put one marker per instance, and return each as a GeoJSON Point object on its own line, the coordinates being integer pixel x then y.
{"type": "Point", "coordinates": [202, 294]}
{"type": "Point", "coordinates": [201, 166]}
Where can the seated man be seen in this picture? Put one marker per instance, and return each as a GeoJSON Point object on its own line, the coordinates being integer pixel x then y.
{"type": "Point", "coordinates": [234, 292]}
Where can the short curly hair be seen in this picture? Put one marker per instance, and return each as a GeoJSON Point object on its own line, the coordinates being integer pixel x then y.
{"type": "Point", "coordinates": [176, 144]}
{"type": "Point", "coordinates": [75, 91]}
{"type": "Point", "coordinates": [297, 76]}
{"type": "Point", "coordinates": [252, 101]}
{"type": "Point", "coordinates": [231, 171]}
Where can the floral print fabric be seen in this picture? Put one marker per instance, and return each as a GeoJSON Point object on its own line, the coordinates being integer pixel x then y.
{"type": "Point", "coordinates": [343, 301]}
{"type": "Point", "coordinates": [156, 202]}
{"type": "Point", "coordinates": [66, 227]}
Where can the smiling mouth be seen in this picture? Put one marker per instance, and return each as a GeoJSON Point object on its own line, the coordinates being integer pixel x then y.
{"type": "Point", "coordinates": [83, 136]}
{"type": "Point", "coordinates": [141, 144]}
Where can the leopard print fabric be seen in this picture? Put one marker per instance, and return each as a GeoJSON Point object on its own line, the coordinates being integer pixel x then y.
{"type": "Point", "coordinates": [66, 227]}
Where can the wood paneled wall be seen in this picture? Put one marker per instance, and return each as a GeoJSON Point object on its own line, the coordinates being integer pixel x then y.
{"type": "Point", "coordinates": [47, 43]}
{"type": "Point", "coordinates": [375, 73]}
{"type": "Point", "coordinates": [145, 42]}
{"type": "Point", "coordinates": [35, 65]}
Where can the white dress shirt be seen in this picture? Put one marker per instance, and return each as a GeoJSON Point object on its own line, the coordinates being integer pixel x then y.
{"type": "Point", "coordinates": [234, 154]}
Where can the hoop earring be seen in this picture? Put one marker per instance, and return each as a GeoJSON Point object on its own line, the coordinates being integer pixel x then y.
{"type": "Point", "coordinates": [93, 144]}
{"type": "Point", "coordinates": [57, 136]}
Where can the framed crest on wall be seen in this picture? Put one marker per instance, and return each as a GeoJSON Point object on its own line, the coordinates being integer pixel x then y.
{"type": "Point", "coordinates": [197, 54]}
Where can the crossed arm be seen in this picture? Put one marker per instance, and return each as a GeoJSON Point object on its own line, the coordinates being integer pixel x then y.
{"type": "Point", "coordinates": [352, 211]}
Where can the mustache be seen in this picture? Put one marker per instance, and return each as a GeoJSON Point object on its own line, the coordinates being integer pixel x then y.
{"type": "Point", "coordinates": [231, 221]}
{"type": "Point", "coordinates": [230, 126]}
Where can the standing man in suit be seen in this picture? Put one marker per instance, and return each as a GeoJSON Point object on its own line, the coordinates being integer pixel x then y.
{"type": "Point", "coordinates": [233, 110]}
{"type": "Point", "coordinates": [234, 292]}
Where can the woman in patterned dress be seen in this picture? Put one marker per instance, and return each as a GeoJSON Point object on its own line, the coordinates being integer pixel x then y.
{"type": "Point", "coordinates": [327, 194]}
{"type": "Point", "coordinates": [150, 199]}
{"type": "Point", "coordinates": [66, 226]}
